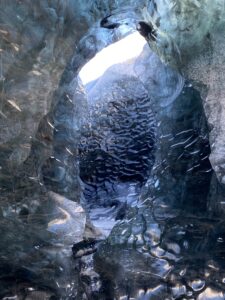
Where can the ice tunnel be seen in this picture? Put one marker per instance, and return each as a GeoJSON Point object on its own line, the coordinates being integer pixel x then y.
{"type": "Point", "coordinates": [112, 150]}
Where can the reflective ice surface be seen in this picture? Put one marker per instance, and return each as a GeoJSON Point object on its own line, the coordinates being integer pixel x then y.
{"type": "Point", "coordinates": [107, 190]}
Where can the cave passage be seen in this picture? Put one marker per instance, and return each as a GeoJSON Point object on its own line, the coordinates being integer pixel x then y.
{"type": "Point", "coordinates": [117, 145]}
{"type": "Point", "coordinates": [107, 188]}
{"type": "Point", "coordinates": [144, 164]}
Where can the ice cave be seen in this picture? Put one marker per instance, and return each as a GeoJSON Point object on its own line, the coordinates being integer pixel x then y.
{"type": "Point", "coordinates": [112, 139]}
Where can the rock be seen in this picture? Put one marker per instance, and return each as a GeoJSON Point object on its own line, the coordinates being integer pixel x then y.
{"type": "Point", "coordinates": [85, 247]}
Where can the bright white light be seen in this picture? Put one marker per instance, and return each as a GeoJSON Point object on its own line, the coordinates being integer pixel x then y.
{"type": "Point", "coordinates": [121, 51]}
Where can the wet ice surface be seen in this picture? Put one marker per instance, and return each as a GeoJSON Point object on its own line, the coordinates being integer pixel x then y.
{"type": "Point", "coordinates": [162, 242]}
{"type": "Point", "coordinates": [170, 246]}
{"type": "Point", "coordinates": [156, 248]}
{"type": "Point", "coordinates": [36, 241]}
{"type": "Point", "coordinates": [171, 260]}
{"type": "Point", "coordinates": [127, 195]}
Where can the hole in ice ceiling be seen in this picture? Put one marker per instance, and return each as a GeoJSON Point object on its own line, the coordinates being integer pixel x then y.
{"type": "Point", "coordinates": [128, 48]}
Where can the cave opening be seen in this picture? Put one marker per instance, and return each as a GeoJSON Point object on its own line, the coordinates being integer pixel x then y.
{"type": "Point", "coordinates": [117, 143]}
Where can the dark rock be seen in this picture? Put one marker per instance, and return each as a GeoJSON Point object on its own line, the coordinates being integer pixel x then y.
{"type": "Point", "coordinates": [85, 247]}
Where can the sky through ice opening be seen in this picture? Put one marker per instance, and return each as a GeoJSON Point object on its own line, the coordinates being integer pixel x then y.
{"type": "Point", "coordinates": [127, 48]}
